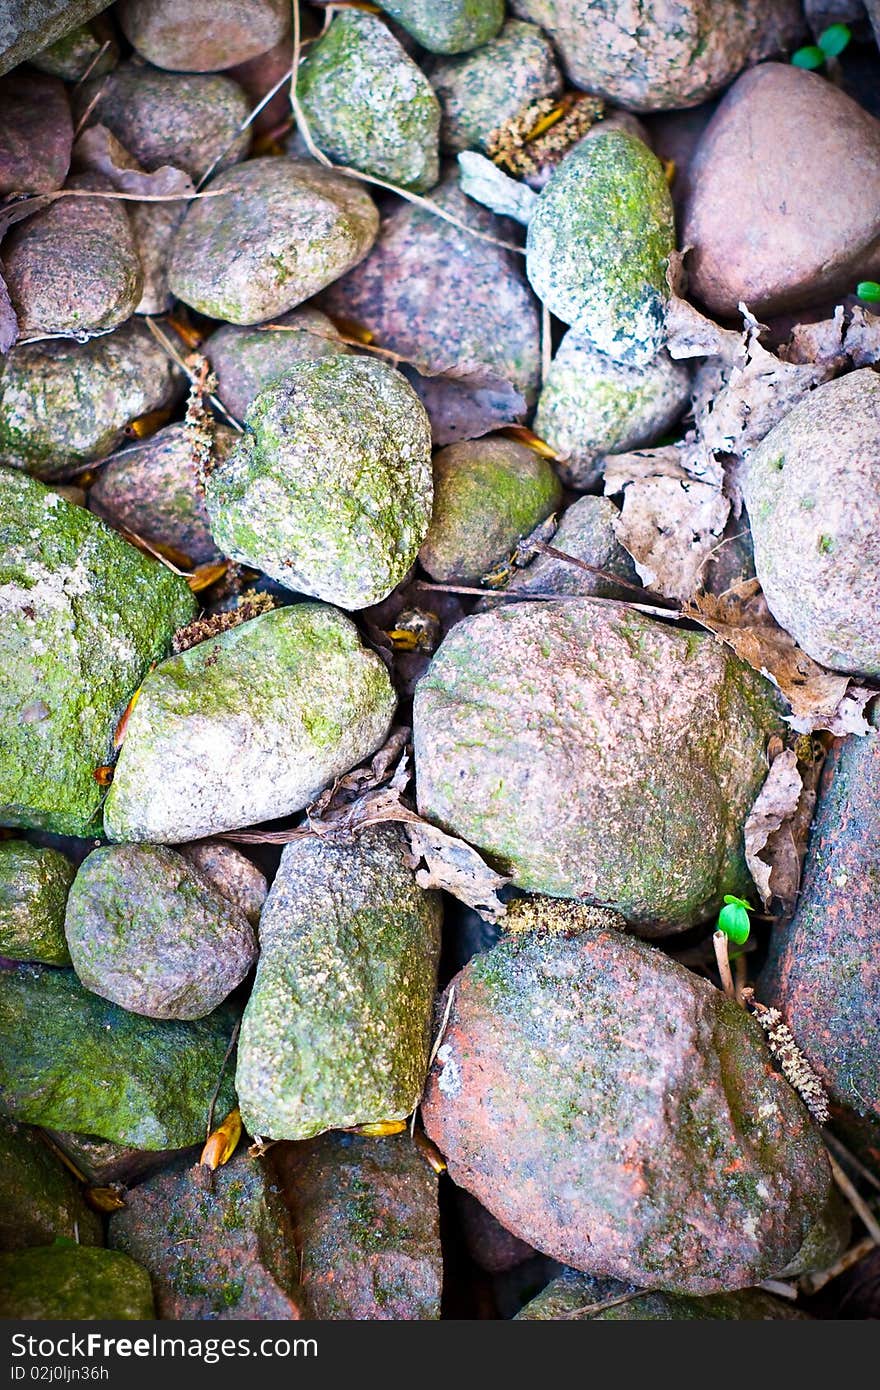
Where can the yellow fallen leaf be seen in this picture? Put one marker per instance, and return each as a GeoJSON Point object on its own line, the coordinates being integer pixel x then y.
{"type": "Point", "coordinates": [380, 1130]}
{"type": "Point", "coordinates": [205, 576]}
{"type": "Point", "coordinates": [429, 1152]}
{"type": "Point", "coordinates": [122, 726]}
{"type": "Point", "coordinates": [222, 1142]}
{"type": "Point", "coordinates": [104, 1198]}
{"type": "Point", "coordinates": [523, 435]}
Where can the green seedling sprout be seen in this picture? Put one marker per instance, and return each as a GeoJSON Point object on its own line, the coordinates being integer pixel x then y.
{"type": "Point", "coordinates": [869, 291]}
{"type": "Point", "coordinates": [733, 925]}
{"type": "Point", "coordinates": [830, 44]}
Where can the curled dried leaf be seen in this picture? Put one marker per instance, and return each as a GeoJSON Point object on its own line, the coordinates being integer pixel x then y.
{"type": "Point", "coordinates": [222, 1142]}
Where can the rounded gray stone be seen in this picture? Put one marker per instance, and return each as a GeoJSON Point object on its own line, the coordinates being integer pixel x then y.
{"type": "Point", "coordinates": [482, 90]}
{"type": "Point", "coordinates": [247, 360]}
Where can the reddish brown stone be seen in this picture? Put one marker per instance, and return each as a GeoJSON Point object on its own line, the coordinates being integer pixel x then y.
{"type": "Point", "coordinates": [36, 133]}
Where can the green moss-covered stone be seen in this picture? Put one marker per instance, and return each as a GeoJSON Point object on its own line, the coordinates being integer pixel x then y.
{"type": "Point", "coordinates": [82, 616]}
{"type": "Point", "coordinates": [285, 230]}
{"type": "Point", "coordinates": [368, 1225]}
{"type": "Point", "coordinates": [248, 726]}
{"type": "Point", "coordinates": [488, 493]}
{"type": "Point", "coordinates": [573, 1291]}
{"type": "Point", "coordinates": [146, 930]}
{"type": "Point", "coordinates": [70, 1060]}
{"type": "Point", "coordinates": [599, 243]}
{"type": "Point", "coordinates": [586, 532]}
{"type": "Point", "coordinates": [448, 26]}
{"type": "Point", "coordinates": [487, 88]}
{"type": "Point", "coordinates": [39, 1199]}
{"type": "Point", "coordinates": [64, 404]}
{"type": "Point", "coordinates": [596, 754]}
{"type": "Point", "coordinates": [73, 1283]}
{"type": "Point", "coordinates": [217, 1250]}
{"type": "Point", "coordinates": [247, 360]}
{"type": "Point", "coordinates": [330, 490]}
{"type": "Point", "coordinates": [591, 405]}
{"type": "Point", "coordinates": [187, 120]}
{"type": "Point", "coordinates": [338, 1028]}
{"type": "Point", "coordinates": [88, 49]}
{"type": "Point", "coordinates": [368, 105]}
{"type": "Point", "coordinates": [33, 891]}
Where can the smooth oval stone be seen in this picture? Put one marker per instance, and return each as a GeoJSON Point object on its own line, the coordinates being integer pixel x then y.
{"type": "Point", "coordinates": [287, 229]}
{"type": "Point", "coordinates": [823, 970]}
{"type": "Point", "coordinates": [151, 488]}
{"type": "Point", "coordinates": [591, 405]}
{"type": "Point", "coordinates": [527, 746]}
{"type": "Point", "coordinates": [82, 616]}
{"type": "Point", "coordinates": [488, 494]}
{"type": "Point", "coordinates": [247, 360]}
{"type": "Point", "coordinates": [663, 55]}
{"type": "Point", "coordinates": [573, 1292]}
{"type": "Point", "coordinates": [337, 1030]}
{"type": "Point", "coordinates": [203, 35]}
{"type": "Point", "coordinates": [812, 489]}
{"type": "Point", "coordinates": [329, 491]}
{"type": "Point", "coordinates": [621, 1115]}
{"type": "Point", "coordinates": [225, 1251]}
{"type": "Point", "coordinates": [369, 105]}
{"type": "Point", "coordinates": [599, 242]}
{"type": "Point", "coordinates": [248, 726]}
{"type": "Point", "coordinates": [70, 1060]}
{"type": "Point", "coordinates": [34, 883]}
{"type": "Point", "coordinates": [783, 207]}
{"type": "Point", "coordinates": [147, 931]}
{"type": "Point", "coordinates": [91, 238]}
{"type": "Point", "coordinates": [40, 1200]}
{"type": "Point", "coordinates": [188, 120]}
{"type": "Point", "coordinates": [75, 1282]}
{"type": "Point", "coordinates": [368, 1224]}
{"type": "Point", "coordinates": [485, 89]}
{"type": "Point", "coordinates": [36, 133]}
{"type": "Point", "coordinates": [65, 404]}
{"type": "Point", "coordinates": [586, 531]}
{"type": "Point", "coordinates": [232, 874]}
{"type": "Point", "coordinates": [448, 26]}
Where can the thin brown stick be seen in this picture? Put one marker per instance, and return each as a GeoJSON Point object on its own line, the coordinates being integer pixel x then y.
{"type": "Point", "coordinates": [450, 998]}
{"type": "Point", "coordinates": [589, 1308]}
{"type": "Point", "coordinates": [843, 1152]}
{"type": "Point", "coordinates": [855, 1199]}
{"type": "Point", "coordinates": [524, 596]}
{"type": "Point", "coordinates": [226, 1056]}
{"type": "Point", "coordinates": [249, 119]}
{"type": "Point", "coordinates": [555, 554]}
{"type": "Point", "coordinates": [175, 356]}
{"type": "Point", "coordinates": [719, 941]}
{"type": "Point", "coordinates": [812, 1283]}
{"type": "Point", "coordinates": [83, 77]}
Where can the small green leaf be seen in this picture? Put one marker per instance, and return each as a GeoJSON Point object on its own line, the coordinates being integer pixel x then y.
{"type": "Point", "coordinates": [869, 290]}
{"type": "Point", "coordinates": [739, 902]}
{"type": "Point", "coordinates": [733, 920]}
{"type": "Point", "coordinates": [809, 57]}
{"type": "Point", "coordinates": [64, 1241]}
{"type": "Point", "coordinates": [834, 39]}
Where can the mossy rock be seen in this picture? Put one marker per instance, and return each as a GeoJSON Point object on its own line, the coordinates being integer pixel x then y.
{"type": "Point", "coordinates": [448, 26]}
{"type": "Point", "coordinates": [599, 243]}
{"type": "Point", "coordinates": [248, 726]}
{"type": "Point", "coordinates": [585, 532]}
{"type": "Point", "coordinates": [591, 406]}
{"type": "Point", "coordinates": [70, 1060]}
{"type": "Point", "coordinates": [596, 754]}
{"type": "Point", "coordinates": [483, 90]}
{"type": "Point", "coordinates": [337, 1030]}
{"type": "Point", "coordinates": [74, 1283]}
{"type": "Point", "coordinates": [247, 360]}
{"type": "Point", "coordinates": [102, 280]}
{"type": "Point", "coordinates": [368, 105]}
{"type": "Point", "coordinates": [90, 48]}
{"type": "Point", "coordinates": [65, 404]}
{"type": "Point", "coordinates": [329, 491]}
{"type": "Point", "coordinates": [147, 931]}
{"type": "Point", "coordinates": [40, 1201]}
{"type": "Point", "coordinates": [488, 494]}
{"type": "Point", "coordinates": [572, 1292]}
{"type": "Point", "coordinates": [286, 229]}
{"type": "Point", "coordinates": [82, 616]}
{"type": "Point", "coordinates": [34, 883]}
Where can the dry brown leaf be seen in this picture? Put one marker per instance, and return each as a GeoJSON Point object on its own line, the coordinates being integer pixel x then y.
{"type": "Point", "coordinates": [222, 1142]}
{"type": "Point", "coordinates": [98, 149]}
{"type": "Point", "coordinates": [457, 868]}
{"type": "Point", "coordinates": [775, 807]}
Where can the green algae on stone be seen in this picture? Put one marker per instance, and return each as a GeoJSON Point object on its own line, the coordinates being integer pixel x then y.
{"type": "Point", "coordinates": [146, 930]}
{"type": "Point", "coordinates": [485, 89]}
{"type": "Point", "coordinates": [448, 26]}
{"type": "Point", "coordinates": [285, 230]}
{"type": "Point", "coordinates": [88, 49]}
{"type": "Point", "coordinates": [368, 105]}
{"type": "Point", "coordinates": [225, 1250]}
{"type": "Point", "coordinates": [488, 494]}
{"type": "Point", "coordinates": [368, 1225]}
{"type": "Point", "coordinates": [82, 616]}
{"type": "Point", "coordinates": [69, 1060]}
{"type": "Point", "coordinates": [247, 360]}
{"type": "Point", "coordinates": [329, 491]}
{"type": "Point", "coordinates": [596, 754]}
{"type": "Point", "coordinates": [572, 1292]}
{"type": "Point", "coordinates": [74, 1283]}
{"type": "Point", "coordinates": [337, 1030]}
{"type": "Point", "coordinates": [39, 1198]}
{"type": "Point", "coordinates": [248, 726]}
{"type": "Point", "coordinates": [591, 406]}
{"type": "Point", "coordinates": [599, 242]}
{"type": "Point", "coordinates": [64, 404]}
{"type": "Point", "coordinates": [34, 883]}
